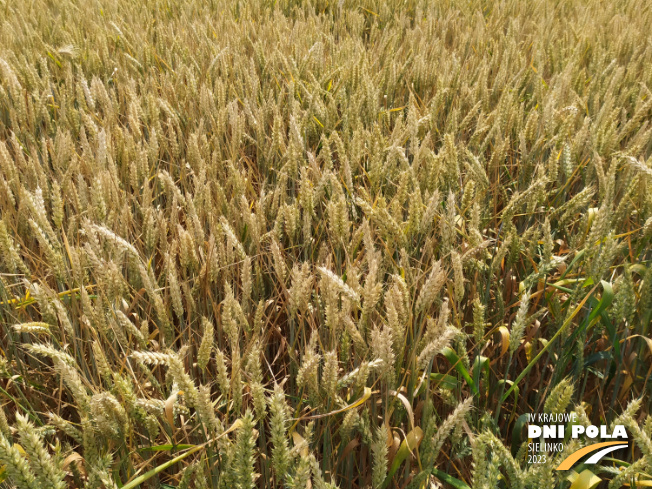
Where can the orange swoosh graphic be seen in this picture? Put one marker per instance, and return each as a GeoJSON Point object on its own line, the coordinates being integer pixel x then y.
{"type": "Point", "coordinates": [571, 459]}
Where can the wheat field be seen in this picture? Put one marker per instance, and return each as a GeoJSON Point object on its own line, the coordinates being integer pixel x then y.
{"type": "Point", "coordinates": [254, 243]}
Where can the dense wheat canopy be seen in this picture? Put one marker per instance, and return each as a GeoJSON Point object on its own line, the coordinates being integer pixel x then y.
{"type": "Point", "coordinates": [313, 244]}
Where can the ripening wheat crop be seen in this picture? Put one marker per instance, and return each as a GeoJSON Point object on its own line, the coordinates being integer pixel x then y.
{"type": "Point", "coordinates": [254, 243]}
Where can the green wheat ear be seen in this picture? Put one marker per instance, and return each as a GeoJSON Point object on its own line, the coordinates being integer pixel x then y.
{"type": "Point", "coordinates": [559, 398]}
{"type": "Point", "coordinates": [16, 465]}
